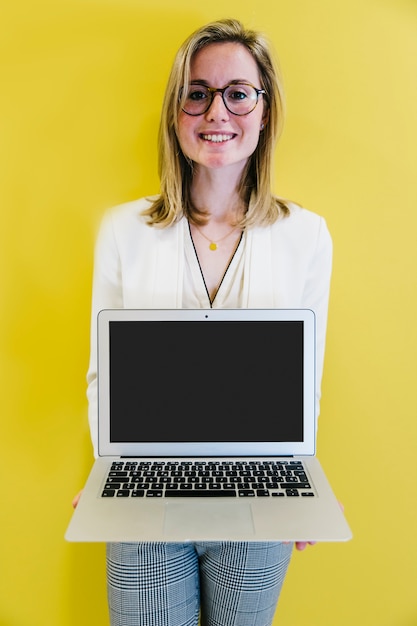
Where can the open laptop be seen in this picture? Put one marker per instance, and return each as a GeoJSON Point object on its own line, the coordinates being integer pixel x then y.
{"type": "Point", "coordinates": [207, 430]}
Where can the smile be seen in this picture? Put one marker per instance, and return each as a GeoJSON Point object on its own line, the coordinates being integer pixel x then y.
{"type": "Point", "coordinates": [217, 138]}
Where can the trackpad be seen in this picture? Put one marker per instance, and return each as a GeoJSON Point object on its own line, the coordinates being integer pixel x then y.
{"type": "Point", "coordinates": [211, 520]}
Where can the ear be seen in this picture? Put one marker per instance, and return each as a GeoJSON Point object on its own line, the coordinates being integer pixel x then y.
{"type": "Point", "coordinates": [265, 119]}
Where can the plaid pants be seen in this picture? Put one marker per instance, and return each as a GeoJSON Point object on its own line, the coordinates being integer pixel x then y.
{"type": "Point", "coordinates": [168, 584]}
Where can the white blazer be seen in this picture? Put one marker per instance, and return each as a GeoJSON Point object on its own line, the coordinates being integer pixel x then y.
{"type": "Point", "coordinates": [287, 265]}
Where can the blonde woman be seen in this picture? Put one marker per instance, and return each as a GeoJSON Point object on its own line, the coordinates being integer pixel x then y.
{"type": "Point", "coordinates": [215, 236]}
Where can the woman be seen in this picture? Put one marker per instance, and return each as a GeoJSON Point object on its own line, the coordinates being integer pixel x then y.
{"type": "Point", "coordinates": [216, 237]}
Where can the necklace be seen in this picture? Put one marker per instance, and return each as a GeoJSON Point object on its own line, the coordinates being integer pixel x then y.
{"type": "Point", "coordinates": [214, 244]}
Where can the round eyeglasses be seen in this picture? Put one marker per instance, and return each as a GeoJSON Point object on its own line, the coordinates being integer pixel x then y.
{"type": "Point", "coordinates": [238, 98]}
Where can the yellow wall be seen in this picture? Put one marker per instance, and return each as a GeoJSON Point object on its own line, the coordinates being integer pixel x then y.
{"type": "Point", "coordinates": [80, 90]}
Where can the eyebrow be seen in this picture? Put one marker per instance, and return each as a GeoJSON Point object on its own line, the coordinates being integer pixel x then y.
{"type": "Point", "coordinates": [235, 81]}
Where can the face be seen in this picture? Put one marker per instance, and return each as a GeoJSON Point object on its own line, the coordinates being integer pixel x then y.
{"type": "Point", "coordinates": [218, 138]}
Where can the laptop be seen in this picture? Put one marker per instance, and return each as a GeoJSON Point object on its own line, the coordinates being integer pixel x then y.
{"type": "Point", "coordinates": [207, 430]}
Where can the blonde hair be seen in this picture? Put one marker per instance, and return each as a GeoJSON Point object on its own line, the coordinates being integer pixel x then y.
{"type": "Point", "coordinates": [176, 170]}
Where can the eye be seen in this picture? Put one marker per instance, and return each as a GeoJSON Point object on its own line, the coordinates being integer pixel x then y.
{"type": "Point", "coordinates": [197, 93]}
{"type": "Point", "coordinates": [237, 94]}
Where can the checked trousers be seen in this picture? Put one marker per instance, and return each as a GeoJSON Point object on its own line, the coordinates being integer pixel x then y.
{"type": "Point", "coordinates": [178, 584]}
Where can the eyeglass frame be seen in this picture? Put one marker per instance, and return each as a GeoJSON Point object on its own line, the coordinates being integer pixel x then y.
{"type": "Point", "coordinates": [214, 90]}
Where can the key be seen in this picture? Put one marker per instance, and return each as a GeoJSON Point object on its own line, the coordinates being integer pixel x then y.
{"type": "Point", "coordinates": [295, 485]}
{"type": "Point", "coordinates": [191, 493]}
{"type": "Point", "coordinates": [245, 493]}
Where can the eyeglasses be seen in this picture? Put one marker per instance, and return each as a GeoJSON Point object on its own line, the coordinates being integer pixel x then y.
{"type": "Point", "coordinates": [238, 98]}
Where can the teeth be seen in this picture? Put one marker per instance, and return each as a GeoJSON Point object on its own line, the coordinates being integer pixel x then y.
{"type": "Point", "coordinates": [217, 138]}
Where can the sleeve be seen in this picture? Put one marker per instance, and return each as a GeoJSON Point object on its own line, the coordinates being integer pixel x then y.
{"type": "Point", "coordinates": [316, 296]}
{"type": "Point", "coordinates": [107, 294]}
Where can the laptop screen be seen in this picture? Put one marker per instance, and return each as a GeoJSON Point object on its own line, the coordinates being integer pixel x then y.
{"type": "Point", "coordinates": [189, 381]}
{"type": "Point", "coordinates": [183, 379]}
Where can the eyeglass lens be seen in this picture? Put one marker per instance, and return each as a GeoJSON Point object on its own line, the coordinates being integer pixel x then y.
{"type": "Point", "coordinates": [239, 99]}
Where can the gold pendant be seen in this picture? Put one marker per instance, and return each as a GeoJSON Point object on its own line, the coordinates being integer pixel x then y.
{"type": "Point", "coordinates": [213, 246]}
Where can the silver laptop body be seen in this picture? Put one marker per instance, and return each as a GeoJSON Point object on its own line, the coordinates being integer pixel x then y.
{"type": "Point", "coordinates": [207, 430]}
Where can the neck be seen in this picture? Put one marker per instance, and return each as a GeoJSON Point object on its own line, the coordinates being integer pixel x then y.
{"type": "Point", "coordinates": [217, 195]}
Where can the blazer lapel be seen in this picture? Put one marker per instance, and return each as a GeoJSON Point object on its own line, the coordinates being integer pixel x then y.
{"type": "Point", "coordinates": [258, 291]}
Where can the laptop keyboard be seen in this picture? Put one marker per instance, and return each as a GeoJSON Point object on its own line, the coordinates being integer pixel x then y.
{"type": "Point", "coordinates": [231, 479]}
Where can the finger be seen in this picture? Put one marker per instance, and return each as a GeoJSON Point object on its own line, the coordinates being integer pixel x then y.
{"type": "Point", "coordinates": [301, 545]}
{"type": "Point", "coordinates": [75, 500]}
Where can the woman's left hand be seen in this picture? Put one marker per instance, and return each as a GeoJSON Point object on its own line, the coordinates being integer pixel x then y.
{"type": "Point", "coordinates": [302, 545]}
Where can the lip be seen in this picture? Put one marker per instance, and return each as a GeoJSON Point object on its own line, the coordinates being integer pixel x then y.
{"type": "Point", "coordinates": [217, 137]}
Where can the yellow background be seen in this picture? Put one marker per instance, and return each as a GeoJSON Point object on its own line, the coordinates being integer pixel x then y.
{"type": "Point", "coordinates": [80, 94]}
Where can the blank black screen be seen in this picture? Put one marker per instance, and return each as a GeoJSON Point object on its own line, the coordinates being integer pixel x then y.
{"type": "Point", "coordinates": [185, 381]}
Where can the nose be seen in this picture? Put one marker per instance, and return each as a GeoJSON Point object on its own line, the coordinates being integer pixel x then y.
{"type": "Point", "coordinates": [217, 108]}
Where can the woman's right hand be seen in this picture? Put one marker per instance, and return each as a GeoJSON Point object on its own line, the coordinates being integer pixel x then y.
{"type": "Point", "coordinates": [76, 499]}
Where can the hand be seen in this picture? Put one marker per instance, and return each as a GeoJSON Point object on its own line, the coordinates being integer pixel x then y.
{"type": "Point", "coordinates": [302, 545]}
{"type": "Point", "coordinates": [76, 499]}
